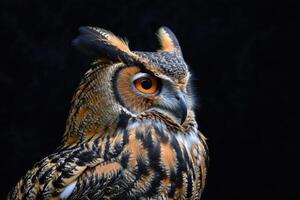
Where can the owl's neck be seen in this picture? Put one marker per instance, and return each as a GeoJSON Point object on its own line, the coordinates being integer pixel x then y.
{"type": "Point", "coordinates": [94, 110]}
{"type": "Point", "coordinates": [190, 125]}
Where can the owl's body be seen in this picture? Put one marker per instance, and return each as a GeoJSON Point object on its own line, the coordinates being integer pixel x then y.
{"type": "Point", "coordinates": [131, 132]}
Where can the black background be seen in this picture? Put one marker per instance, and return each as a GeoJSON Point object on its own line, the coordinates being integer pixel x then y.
{"type": "Point", "coordinates": [244, 56]}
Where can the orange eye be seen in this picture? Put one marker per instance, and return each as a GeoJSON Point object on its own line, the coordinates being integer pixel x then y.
{"type": "Point", "coordinates": [146, 85]}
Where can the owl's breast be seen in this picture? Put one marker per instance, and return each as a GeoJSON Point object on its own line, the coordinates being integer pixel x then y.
{"type": "Point", "coordinates": [161, 163]}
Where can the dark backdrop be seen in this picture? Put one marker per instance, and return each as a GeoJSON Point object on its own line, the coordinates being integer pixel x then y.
{"type": "Point", "coordinates": [244, 56]}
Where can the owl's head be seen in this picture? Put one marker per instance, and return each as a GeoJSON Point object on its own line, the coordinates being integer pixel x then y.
{"type": "Point", "coordinates": [132, 81]}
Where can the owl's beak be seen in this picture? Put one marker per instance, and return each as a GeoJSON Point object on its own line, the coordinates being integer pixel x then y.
{"type": "Point", "coordinates": [182, 108]}
{"type": "Point", "coordinates": [175, 104]}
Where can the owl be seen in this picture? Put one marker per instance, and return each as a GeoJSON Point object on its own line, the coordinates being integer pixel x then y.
{"type": "Point", "coordinates": [131, 132]}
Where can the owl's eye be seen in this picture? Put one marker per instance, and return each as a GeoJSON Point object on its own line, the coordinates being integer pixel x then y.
{"type": "Point", "coordinates": [146, 84]}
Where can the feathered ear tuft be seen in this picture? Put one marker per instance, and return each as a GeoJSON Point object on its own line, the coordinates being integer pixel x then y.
{"type": "Point", "coordinates": [99, 43]}
{"type": "Point", "coordinates": [168, 40]}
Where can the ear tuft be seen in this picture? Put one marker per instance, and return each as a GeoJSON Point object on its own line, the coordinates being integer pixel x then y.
{"type": "Point", "coordinates": [112, 39]}
{"type": "Point", "coordinates": [100, 43]}
{"type": "Point", "coordinates": [168, 40]}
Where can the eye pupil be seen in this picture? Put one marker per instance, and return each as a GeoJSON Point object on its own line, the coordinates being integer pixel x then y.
{"type": "Point", "coordinates": [146, 83]}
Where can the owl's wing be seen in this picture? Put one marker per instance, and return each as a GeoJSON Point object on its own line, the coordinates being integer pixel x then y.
{"type": "Point", "coordinates": [79, 171]}
{"type": "Point", "coordinates": [55, 175]}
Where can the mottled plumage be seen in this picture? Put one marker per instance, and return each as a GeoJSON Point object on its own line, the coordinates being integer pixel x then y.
{"type": "Point", "coordinates": [131, 131]}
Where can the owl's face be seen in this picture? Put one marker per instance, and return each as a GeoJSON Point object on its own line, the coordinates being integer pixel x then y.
{"type": "Point", "coordinates": [145, 80]}
{"type": "Point", "coordinates": [138, 90]}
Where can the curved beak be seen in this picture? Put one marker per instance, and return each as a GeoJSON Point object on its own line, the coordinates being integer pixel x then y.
{"type": "Point", "coordinates": [175, 104]}
{"type": "Point", "coordinates": [182, 108]}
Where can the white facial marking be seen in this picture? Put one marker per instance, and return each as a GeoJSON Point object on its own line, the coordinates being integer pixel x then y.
{"type": "Point", "coordinates": [68, 191]}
